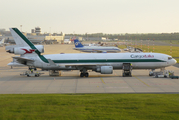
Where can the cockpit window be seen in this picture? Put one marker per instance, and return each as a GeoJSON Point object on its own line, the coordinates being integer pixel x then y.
{"type": "Point", "coordinates": [169, 58]}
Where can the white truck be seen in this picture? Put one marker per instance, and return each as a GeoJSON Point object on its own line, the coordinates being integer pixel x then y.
{"type": "Point", "coordinates": [31, 74]}
{"type": "Point", "coordinates": [67, 41]}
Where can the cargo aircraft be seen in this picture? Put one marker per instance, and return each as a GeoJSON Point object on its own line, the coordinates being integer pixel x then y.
{"type": "Point", "coordinates": [94, 49]}
{"type": "Point", "coordinates": [104, 63]}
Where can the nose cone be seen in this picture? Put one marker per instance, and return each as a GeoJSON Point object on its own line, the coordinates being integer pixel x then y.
{"type": "Point", "coordinates": [175, 61]}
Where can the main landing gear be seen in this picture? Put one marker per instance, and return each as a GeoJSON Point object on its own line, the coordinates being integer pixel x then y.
{"type": "Point", "coordinates": [84, 73]}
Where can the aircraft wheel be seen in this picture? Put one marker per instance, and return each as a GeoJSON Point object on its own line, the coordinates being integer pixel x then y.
{"type": "Point", "coordinates": [86, 74]}
{"type": "Point", "coordinates": [81, 75]}
{"type": "Point", "coordinates": [123, 75]}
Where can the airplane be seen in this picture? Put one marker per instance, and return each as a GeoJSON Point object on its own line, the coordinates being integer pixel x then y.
{"type": "Point", "coordinates": [103, 63]}
{"type": "Point", "coordinates": [95, 49]}
{"type": "Point", "coordinates": [2, 42]}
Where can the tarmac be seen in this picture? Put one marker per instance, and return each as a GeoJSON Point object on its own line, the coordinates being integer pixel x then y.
{"type": "Point", "coordinates": [69, 82]}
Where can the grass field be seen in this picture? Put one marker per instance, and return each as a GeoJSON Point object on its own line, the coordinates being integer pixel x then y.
{"type": "Point", "coordinates": [170, 41]}
{"type": "Point", "coordinates": [89, 106]}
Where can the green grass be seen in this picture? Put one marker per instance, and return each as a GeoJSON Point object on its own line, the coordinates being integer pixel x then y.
{"type": "Point", "coordinates": [170, 41]}
{"type": "Point", "coordinates": [122, 46]}
{"type": "Point", "coordinates": [177, 59]}
{"type": "Point", "coordinates": [89, 106]}
{"type": "Point", "coordinates": [173, 51]}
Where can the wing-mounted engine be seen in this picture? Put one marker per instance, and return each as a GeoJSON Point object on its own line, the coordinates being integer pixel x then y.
{"type": "Point", "coordinates": [24, 50]}
{"type": "Point", "coordinates": [105, 69]}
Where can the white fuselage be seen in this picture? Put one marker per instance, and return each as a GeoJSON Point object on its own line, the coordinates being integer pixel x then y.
{"type": "Point", "coordinates": [92, 60]}
{"type": "Point", "coordinates": [97, 49]}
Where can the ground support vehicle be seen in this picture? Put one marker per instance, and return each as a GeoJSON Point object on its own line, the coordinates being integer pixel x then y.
{"type": "Point", "coordinates": [163, 74]}
{"type": "Point", "coordinates": [31, 74]}
{"type": "Point", "coordinates": [174, 77]}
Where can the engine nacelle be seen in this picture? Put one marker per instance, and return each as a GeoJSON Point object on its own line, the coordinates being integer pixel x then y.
{"type": "Point", "coordinates": [105, 69]}
{"type": "Point", "coordinates": [25, 50]}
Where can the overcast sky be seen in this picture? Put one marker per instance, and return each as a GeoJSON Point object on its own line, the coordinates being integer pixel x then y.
{"type": "Point", "coordinates": [91, 16]}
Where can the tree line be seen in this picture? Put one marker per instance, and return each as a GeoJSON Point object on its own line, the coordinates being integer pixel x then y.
{"type": "Point", "coordinates": [127, 36]}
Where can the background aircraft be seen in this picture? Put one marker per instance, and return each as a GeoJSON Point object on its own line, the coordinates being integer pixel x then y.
{"type": "Point", "coordinates": [2, 42]}
{"type": "Point", "coordinates": [95, 49]}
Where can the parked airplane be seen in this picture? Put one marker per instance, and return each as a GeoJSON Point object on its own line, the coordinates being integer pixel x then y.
{"type": "Point", "coordinates": [104, 63]}
{"type": "Point", "coordinates": [96, 49]}
{"type": "Point", "coordinates": [2, 42]}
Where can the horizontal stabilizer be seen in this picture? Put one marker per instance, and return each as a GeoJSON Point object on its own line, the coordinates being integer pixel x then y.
{"type": "Point", "coordinates": [15, 64]}
{"type": "Point", "coordinates": [22, 60]}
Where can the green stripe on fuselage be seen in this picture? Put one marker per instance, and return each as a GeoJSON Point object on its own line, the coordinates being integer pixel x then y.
{"type": "Point", "coordinates": [108, 60]}
{"type": "Point", "coordinates": [31, 45]}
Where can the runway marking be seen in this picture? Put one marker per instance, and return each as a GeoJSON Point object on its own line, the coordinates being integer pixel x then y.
{"type": "Point", "coordinates": [109, 82]}
{"type": "Point", "coordinates": [155, 84]}
{"type": "Point", "coordinates": [117, 87]}
{"type": "Point", "coordinates": [102, 80]}
{"type": "Point", "coordinates": [141, 81]}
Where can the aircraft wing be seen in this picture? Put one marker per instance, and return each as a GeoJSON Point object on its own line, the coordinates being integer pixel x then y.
{"type": "Point", "coordinates": [22, 60]}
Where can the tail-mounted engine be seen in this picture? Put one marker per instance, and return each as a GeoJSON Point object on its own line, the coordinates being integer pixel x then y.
{"type": "Point", "coordinates": [24, 50]}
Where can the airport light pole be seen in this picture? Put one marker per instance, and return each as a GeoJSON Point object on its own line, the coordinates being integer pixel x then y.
{"type": "Point", "coordinates": [153, 45]}
{"type": "Point", "coordinates": [21, 27]}
{"type": "Point", "coordinates": [171, 47]}
{"type": "Point", "coordinates": [86, 36]}
{"type": "Point", "coordinates": [148, 44]}
{"type": "Point", "coordinates": [50, 33]}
